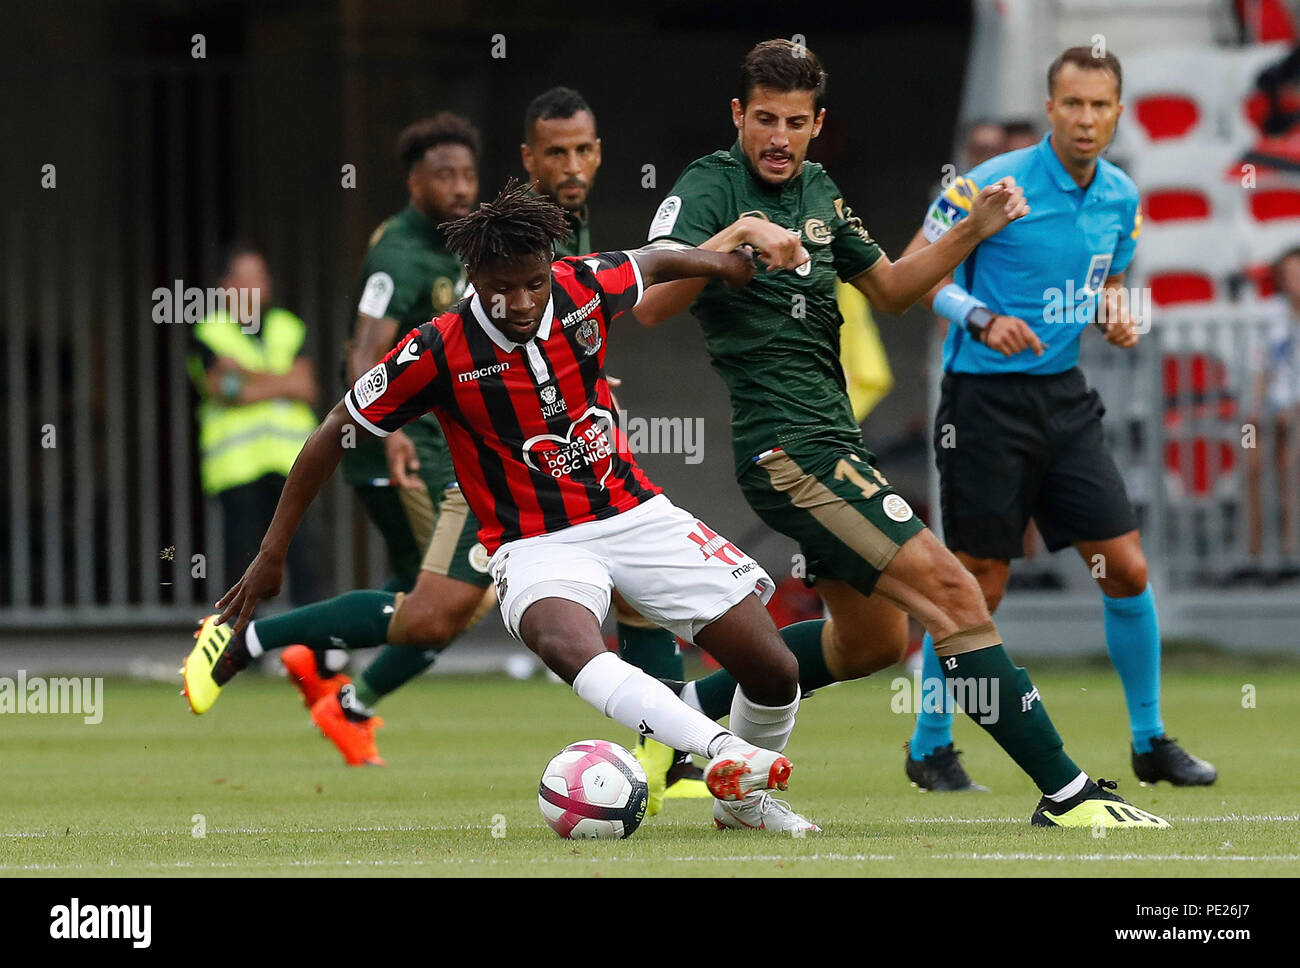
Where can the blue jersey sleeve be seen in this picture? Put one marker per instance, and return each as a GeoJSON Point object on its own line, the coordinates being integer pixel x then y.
{"type": "Point", "coordinates": [1129, 232]}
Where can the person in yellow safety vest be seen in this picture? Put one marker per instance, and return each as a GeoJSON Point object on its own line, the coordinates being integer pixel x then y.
{"type": "Point", "coordinates": [256, 389]}
{"type": "Point", "coordinates": [866, 368]}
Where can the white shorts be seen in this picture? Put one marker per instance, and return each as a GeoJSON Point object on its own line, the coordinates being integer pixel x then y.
{"type": "Point", "coordinates": [670, 566]}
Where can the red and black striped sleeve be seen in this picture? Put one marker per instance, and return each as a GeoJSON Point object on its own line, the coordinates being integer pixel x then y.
{"type": "Point", "coordinates": [405, 384]}
{"type": "Point", "coordinates": [615, 275]}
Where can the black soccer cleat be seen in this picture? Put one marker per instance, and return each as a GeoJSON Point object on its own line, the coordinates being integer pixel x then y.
{"type": "Point", "coordinates": [683, 768]}
{"type": "Point", "coordinates": [940, 771]}
{"type": "Point", "coordinates": [1169, 761]}
{"type": "Point", "coordinates": [1095, 806]}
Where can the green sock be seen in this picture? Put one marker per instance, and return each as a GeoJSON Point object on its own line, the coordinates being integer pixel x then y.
{"type": "Point", "coordinates": [1022, 727]}
{"type": "Point", "coordinates": [804, 639]}
{"type": "Point", "coordinates": [355, 620]}
{"type": "Point", "coordinates": [653, 651]}
{"type": "Point", "coordinates": [393, 667]}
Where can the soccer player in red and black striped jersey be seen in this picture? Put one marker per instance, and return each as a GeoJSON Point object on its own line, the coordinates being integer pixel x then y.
{"type": "Point", "coordinates": [515, 375]}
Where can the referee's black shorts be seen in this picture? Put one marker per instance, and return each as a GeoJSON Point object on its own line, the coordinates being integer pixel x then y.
{"type": "Point", "coordinates": [1014, 446]}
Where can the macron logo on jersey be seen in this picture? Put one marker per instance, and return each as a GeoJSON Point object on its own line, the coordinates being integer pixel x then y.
{"type": "Point", "coordinates": [410, 352]}
{"type": "Point", "coordinates": [482, 371]}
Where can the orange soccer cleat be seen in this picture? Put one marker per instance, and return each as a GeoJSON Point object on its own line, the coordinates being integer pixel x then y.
{"type": "Point", "coordinates": [304, 673]}
{"type": "Point", "coordinates": [354, 738]}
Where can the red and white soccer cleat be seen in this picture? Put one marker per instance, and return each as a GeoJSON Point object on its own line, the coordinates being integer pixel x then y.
{"type": "Point", "coordinates": [740, 769]}
{"type": "Point", "coordinates": [761, 811]}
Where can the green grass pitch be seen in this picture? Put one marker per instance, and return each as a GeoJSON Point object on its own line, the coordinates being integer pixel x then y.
{"type": "Point", "coordinates": [125, 797]}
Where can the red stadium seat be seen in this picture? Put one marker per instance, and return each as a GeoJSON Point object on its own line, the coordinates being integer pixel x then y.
{"type": "Point", "coordinates": [1267, 204]}
{"type": "Point", "coordinates": [1181, 288]}
{"type": "Point", "coordinates": [1167, 115]}
{"type": "Point", "coordinates": [1174, 94]}
{"type": "Point", "coordinates": [1175, 204]}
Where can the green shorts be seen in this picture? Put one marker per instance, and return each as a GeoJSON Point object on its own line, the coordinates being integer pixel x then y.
{"type": "Point", "coordinates": [848, 520]}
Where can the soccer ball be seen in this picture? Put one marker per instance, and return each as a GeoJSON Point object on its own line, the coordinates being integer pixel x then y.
{"type": "Point", "coordinates": [593, 789]}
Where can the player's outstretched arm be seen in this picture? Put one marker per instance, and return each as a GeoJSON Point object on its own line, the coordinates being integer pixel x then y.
{"type": "Point", "coordinates": [894, 287]}
{"type": "Point", "coordinates": [660, 265]}
{"type": "Point", "coordinates": [777, 248]}
{"type": "Point", "coordinates": [316, 462]}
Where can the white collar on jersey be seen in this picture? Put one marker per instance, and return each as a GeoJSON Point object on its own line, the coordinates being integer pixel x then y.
{"type": "Point", "coordinates": [500, 338]}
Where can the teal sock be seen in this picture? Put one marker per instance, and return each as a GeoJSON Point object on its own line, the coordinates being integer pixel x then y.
{"type": "Point", "coordinates": [804, 639]}
{"type": "Point", "coordinates": [1017, 720]}
{"type": "Point", "coordinates": [395, 666]}
{"type": "Point", "coordinates": [355, 620]}
{"type": "Point", "coordinates": [933, 729]}
{"type": "Point", "coordinates": [1133, 641]}
{"type": "Point", "coordinates": [653, 651]}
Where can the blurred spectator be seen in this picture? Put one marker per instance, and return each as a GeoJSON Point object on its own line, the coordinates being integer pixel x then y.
{"type": "Point", "coordinates": [256, 388]}
{"type": "Point", "coordinates": [1020, 134]}
{"type": "Point", "coordinates": [985, 139]}
{"type": "Point", "coordinates": [1275, 371]}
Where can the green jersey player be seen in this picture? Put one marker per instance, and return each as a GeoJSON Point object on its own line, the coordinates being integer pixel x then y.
{"type": "Point", "coordinates": [799, 456]}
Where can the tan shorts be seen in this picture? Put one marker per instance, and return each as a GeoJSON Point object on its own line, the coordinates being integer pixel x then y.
{"type": "Point", "coordinates": [448, 532]}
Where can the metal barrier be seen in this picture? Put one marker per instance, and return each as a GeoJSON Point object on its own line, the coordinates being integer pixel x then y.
{"type": "Point", "coordinates": [1182, 419]}
{"type": "Point", "coordinates": [100, 510]}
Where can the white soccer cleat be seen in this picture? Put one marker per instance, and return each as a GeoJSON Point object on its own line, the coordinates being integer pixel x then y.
{"type": "Point", "coordinates": [740, 769]}
{"type": "Point", "coordinates": [761, 811]}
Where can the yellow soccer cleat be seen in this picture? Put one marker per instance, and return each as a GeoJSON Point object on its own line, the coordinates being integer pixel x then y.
{"type": "Point", "coordinates": [685, 780]}
{"type": "Point", "coordinates": [201, 689]}
{"type": "Point", "coordinates": [1095, 806]}
{"type": "Point", "coordinates": [656, 759]}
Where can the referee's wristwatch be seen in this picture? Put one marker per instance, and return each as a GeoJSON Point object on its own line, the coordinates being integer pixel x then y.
{"type": "Point", "coordinates": [977, 321]}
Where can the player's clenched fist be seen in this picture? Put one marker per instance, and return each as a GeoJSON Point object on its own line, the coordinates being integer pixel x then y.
{"type": "Point", "coordinates": [741, 273]}
{"type": "Point", "coordinates": [777, 247]}
{"type": "Point", "coordinates": [996, 206]}
{"type": "Point", "coordinates": [1010, 335]}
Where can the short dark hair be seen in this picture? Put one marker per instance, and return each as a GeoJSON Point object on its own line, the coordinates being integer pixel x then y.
{"type": "Point", "coordinates": [441, 129]}
{"type": "Point", "coordinates": [558, 102]}
{"type": "Point", "coordinates": [1020, 128]}
{"type": "Point", "coordinates": [1083, 57]}
{"type": "Point", "coordinates": [782, 65]}
{"type": "Point", "coordinates": [514, 225]}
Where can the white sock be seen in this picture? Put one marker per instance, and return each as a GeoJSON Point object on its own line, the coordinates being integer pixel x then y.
{"type": "Point", "coordinates": [252, 642]}
{"type": "Point", "coordinates": [691, 697]}
{"type": "Point", "coordinates": [627, 695]}
{"type": "Point", "coordinates": [766, 726]}
{"type": "Point", "coordinates": [1070, 789]}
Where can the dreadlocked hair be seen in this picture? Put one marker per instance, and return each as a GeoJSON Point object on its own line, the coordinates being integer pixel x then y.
{"type": "Point", "coordinates": [515, 225]}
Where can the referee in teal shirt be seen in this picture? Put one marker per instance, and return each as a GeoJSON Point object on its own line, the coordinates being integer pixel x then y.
{"type": "Point", "coordinates": [1018, 433]}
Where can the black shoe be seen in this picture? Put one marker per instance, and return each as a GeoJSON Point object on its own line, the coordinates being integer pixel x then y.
{"type": "Point", "coordinates": [1169, 761]}
{"type": "Point", "coordinates": [941, 771]}
{"type": "Point", "coordinates": [1094, 806]}
{"type": "Point", "coordinates": [683, 768]}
